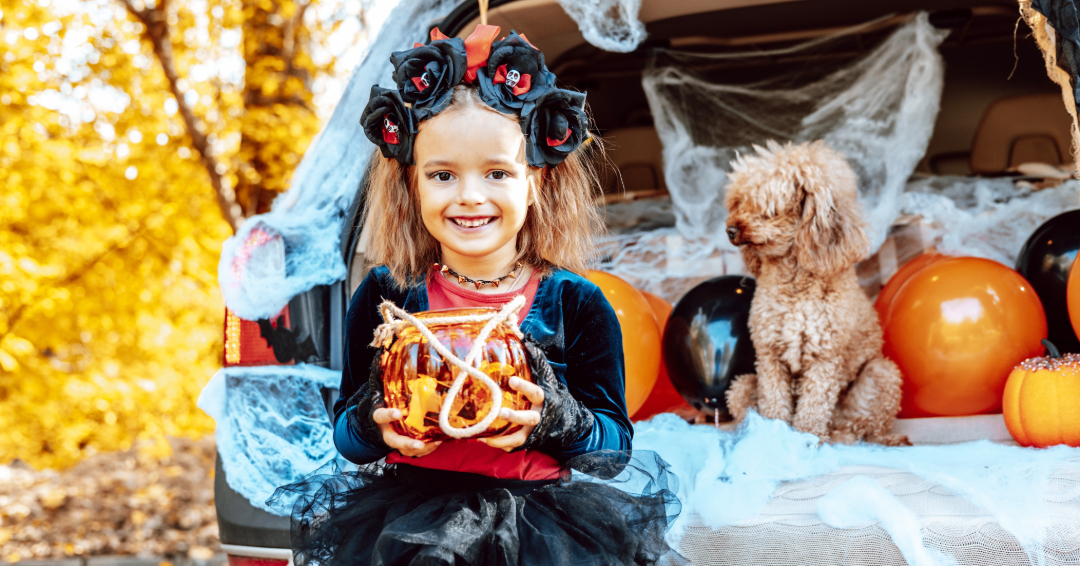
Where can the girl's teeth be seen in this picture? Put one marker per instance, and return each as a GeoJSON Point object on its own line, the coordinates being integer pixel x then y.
{"type": "Point", "coordinates": [471, 223]}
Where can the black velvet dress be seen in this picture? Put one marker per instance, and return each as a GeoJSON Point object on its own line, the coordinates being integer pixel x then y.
{"type": "Point", "coordinates": [608, 506]}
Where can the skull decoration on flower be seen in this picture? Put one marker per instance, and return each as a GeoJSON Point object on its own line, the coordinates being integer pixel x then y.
{"type": "Point", "coordinates": [419, 380]}
{"type": "Point", "coordinates": [390, 130]}
{"type": "Point", "coordinates": [514, 75]}
{"type": "Point", "coordinates": [512, 78]}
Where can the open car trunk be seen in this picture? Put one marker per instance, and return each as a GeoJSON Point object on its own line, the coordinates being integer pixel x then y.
{"type": "Point", "coordinates": [943, 126]}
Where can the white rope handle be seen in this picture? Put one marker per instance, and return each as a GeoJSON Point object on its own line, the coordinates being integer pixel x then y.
{"type": "Point", "coordinates": [397, 319]}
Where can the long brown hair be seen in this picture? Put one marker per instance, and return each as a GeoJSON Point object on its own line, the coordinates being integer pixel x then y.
{"type": "Point", "coordinates": [560, 228]}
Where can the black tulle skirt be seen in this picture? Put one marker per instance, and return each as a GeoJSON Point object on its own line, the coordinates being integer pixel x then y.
{"type": "Point", "coordinates": [607, 509]}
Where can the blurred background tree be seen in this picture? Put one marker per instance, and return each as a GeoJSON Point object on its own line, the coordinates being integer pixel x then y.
{"type": "Point", "coordinates": [134, 138]}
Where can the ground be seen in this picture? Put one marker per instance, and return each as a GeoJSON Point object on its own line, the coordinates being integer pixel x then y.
{"type": "Point", "coordinates": [114, 504]}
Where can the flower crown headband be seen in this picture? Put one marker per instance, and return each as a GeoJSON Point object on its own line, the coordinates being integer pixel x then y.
{"type": "Point", "coordinates": [512, 79]}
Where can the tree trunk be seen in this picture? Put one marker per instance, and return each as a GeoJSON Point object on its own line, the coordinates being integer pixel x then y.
{"type": "Point", "coordinates": [157, 31]}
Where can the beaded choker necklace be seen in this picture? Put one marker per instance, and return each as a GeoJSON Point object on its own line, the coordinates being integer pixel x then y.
{"type": "Point", "coordinates": [478, 282]}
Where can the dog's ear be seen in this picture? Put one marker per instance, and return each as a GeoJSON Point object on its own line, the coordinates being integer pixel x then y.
{"type": "Point", "coordinates": [832, 233]}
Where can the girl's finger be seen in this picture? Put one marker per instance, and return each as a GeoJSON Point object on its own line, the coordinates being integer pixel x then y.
{"type": "Point", "coordinates": [506, 442]}
{"type": "Point", "coordinates": [384, 416]}
{"type": "Point", "coordinates": [531, 391]}
{"type": "Point", "coordinates": [526, 418]}
{"type": "Point", "coordinates": [401, 443]}
{"type": "Point", "coordinates": [427, 449]}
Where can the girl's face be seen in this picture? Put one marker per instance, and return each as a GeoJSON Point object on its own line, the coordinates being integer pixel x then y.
{"type": "Point", "coordinates": [473, 182]}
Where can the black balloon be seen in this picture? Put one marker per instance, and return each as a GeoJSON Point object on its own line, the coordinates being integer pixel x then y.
{"type": "Point", "coordinates": [1044, 261]}
{"type": "Point", "coordinates": [707, 341]}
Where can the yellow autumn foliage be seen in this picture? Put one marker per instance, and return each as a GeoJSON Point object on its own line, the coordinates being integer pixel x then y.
{"type": "Point", "coordinates": [110, 232]}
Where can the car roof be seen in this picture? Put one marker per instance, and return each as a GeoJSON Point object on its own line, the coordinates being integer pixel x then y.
{"type": "Point", "coordinates": [554, 32]}
{"type": "Point", "coordinates": [549, 27]}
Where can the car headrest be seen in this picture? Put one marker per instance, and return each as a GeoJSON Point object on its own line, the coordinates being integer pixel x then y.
{"type": "Point", "coordinates": [1029, 128]}
{"type": "Point", "coordinates": [637, 153]}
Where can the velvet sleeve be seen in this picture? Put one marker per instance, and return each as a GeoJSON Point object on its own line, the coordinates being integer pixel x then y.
{"type": "Point", "coordinates": [360, 324]}
{"type": "Point", "coordinates": [595, 374]}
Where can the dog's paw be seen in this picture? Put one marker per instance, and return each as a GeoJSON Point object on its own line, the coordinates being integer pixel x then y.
{"type": "Point", "coordinates": [741, 396]}
{"type": "Point", "coordinates": [778, 412]}
{"type": "Point", "coordinates": [843, 437]}
{"type": "Point", "coordinates": [890, 440]}
{"type": "Point", "coordinates": [811, 424]}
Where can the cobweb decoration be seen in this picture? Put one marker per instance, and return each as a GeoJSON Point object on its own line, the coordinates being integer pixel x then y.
{"type": "Point", "coordinates": [985, 217]}
{"type": "Point", "coordinates": [303, 249]}
{"type": "Point", "coordinates": [272, 425]}
{"type": "Point", "coordinates": [611, 25]}
{"type": "Point", "coordinates": [962, 216]}
{"type": "Point", "coordinates": [666, 264]}
{"type": "Point", "coordinates": [878, 111]}
{"type": "Point", "coordinates": [766, 494]}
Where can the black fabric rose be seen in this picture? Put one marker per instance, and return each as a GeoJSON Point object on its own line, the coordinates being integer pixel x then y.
{"type": "Point", "coordinates": [427, 75]}
{"type": "Point", "coordinates": [554, 124]}
{"type": "Point", "coordinates": [389, 124]}
{"type": "Point", "coordinates": [515, 74]}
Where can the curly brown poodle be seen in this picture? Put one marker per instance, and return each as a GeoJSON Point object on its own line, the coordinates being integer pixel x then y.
{"type": "Point", "coordinates": [794, 213]}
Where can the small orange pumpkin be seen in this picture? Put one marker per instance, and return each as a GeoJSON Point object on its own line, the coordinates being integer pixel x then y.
{"type": "Point", "coordinates": [1041, 404]}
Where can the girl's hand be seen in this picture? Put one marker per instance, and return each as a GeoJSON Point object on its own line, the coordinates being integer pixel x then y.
{"type": "Point", "coordinates": [528, 418]}
{"type": "Point", "coordinates": [407, 446]}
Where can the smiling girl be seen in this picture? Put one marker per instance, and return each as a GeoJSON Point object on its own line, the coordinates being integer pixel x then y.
{"type": "Point", "coordinates": [484, 192]}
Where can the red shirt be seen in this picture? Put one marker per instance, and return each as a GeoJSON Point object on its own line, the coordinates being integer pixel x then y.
{"type": "Point", "coordinates": [473, 456]}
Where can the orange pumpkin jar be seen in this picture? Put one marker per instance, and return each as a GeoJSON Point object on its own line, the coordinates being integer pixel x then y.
{"type": "Point", "coordinates": [416, 378]}
{"type": "Point", "coordinates": [1041, 404]}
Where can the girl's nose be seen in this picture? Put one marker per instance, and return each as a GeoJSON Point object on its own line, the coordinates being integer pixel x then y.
{"type": "Point", "coordinates": [471, 192]}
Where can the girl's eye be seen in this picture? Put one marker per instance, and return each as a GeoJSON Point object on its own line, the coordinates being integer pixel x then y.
{"type": "Point", "coordinates": [498, 175]}
{"type": "Point", "coordinates": [443, 176]}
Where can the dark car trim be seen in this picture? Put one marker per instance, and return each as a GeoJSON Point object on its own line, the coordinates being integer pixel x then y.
{"type": "Point", "coordinates": [241, 523]}
{"type": "Point", "coordinates": [465, 12]}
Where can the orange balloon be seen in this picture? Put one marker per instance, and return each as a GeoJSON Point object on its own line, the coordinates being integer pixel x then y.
{"type": "Point", "coordinates": [1072, 295]}
{"type": "Point", "coordinates": [956, 329]}
{"type": "Point", "coordinates": [661, 309]}
{"type": "Point", "coordinates": [640, 336]}
{"type": "Point", "coordinates": [888, 292]}
{"type": "Point", "coordinates": [663, 398]}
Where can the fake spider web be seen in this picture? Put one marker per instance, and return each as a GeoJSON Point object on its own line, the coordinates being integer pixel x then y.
{"type": "Point", "coordinates": [765, 494]}
{"type": "Point", "coordinates": [878, 111]}
{"type": "Point", "coordinates": [611, 25]}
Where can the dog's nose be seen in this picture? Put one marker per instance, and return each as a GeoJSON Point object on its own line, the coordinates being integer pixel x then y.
{"type": "Point", "coordinates": [733, 234]}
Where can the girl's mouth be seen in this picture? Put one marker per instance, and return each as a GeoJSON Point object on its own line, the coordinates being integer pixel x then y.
{"type": "Point", "coordinates": [472, 221]}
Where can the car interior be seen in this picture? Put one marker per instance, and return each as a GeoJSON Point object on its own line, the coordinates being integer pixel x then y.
{"type": "Point", "coordinates": [998, 108]}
